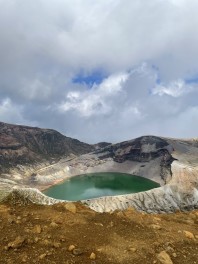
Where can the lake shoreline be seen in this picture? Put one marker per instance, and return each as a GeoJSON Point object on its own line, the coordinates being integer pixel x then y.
{"type": "Point", "coordinates": [98, 184]}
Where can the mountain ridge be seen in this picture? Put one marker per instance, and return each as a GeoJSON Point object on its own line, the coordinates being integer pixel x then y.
{"type": "Point", "coordinates": [23, 144]}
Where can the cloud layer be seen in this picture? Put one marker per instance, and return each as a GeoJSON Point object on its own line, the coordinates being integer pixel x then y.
{"type": "Point", "coordinates": [146, 52]}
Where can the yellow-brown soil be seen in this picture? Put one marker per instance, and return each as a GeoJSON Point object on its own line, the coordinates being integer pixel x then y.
{"type": "Point", "coordinates": [53, 234]}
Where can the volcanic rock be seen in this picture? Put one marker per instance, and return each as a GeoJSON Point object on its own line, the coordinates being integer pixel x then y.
{"type": "Point", "coordinates": [164, 258]}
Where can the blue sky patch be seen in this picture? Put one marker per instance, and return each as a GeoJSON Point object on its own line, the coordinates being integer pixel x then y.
{"type": "Point", "coordinates": [95, 77]}
{"type": "Point", "coordinates": [192, 80]}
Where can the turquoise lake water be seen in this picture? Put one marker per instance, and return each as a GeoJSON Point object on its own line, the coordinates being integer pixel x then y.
{"type": "Point", "coordinates": [92, 185]}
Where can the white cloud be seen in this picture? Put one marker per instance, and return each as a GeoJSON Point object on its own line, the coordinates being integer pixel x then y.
{"type": "Point", "coordinates": [36, 90]}
{"type": "Point", "coordinates": [110, 34]}
{"type": "Point", "coordinates": [95, 100]}
{"type": "Point", "coordinates": [12, 113]}
{"type": "Point", "coordinates": [9, 111]}
{"type": "Point", "coordinates": [175, 88]}
{"type": "Point", "coordinates": [42, 53]}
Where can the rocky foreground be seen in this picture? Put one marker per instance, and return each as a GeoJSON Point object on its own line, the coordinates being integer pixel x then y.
{"type": "Point", "coordinates": [71, 233]}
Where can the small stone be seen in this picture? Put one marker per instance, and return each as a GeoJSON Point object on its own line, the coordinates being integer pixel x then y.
{"type": "Point", "coordinates": [132, 249]}
{"type": "Point", "coordinates": [37, 229]}
{"type": "Point", "coordinates": [56, 245]}
{"type": "Point", "coordinates": [42, 256]}
{"type": "Point", "coordinates": [71, 207]}
{"type": "Point", "coordinates": [77, 252]}
{"type": "Point", "coordinates": [169, 249]}
{"type": "Point", "coordinates": [53, 224]}
{"type": "Point", "coordinates": [157, 219]}
{"type": "Point", "coordinates": [36, 239]}
{"type": "Point", "coordinates": [92, 256]}
{"type": "Point", "coordinates": [10, 220]}
{"type": "Point", "coordinates": [174, 255]}
{"type": "Point", "coordinates": [59, 221]}
{"type": "Point", "coordinates": [164, 258]}
{"type": "Point", "coordinates": [24, 259]}
{"type": "Point", "coordinates": [17, 243]}
{"type": "Point", "coordinates": [71, 248]}
{"type": "Point", "coordinates": [189, 235]}
{"type": "Point", "coordinates": [46, 242]}
{"type": "Point", "coordinates": [156, 227]}
{"type": "Point", "coordinates": [98, 224]}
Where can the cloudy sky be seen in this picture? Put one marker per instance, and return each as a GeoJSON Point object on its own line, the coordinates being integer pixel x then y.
{"type": "Point", "coordinates": [106, 70]}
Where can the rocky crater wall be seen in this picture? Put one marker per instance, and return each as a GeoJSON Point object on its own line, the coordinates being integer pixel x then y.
{"type": "Point", "coordinates": [171, 162]}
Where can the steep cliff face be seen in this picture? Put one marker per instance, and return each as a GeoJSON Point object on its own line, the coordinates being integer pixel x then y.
{"type": "Point", "coordinates": [143, 150]}
{"type": "Point", "coordinates": [22, 144]}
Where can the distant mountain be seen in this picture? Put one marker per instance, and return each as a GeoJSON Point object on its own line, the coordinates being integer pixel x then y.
{"type": "Point", "coordinates": [142, 149]}
{"type": "Point", "coordinates": [23, 144]}
{"type": "Point", "coordinates": [101, 145]}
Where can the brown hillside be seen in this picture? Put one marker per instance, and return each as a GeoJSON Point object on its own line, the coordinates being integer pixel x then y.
{"type": "Point", "coordinates": [22, 144]}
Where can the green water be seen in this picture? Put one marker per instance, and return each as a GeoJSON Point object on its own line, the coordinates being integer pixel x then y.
{"type": "Point", "coordinates": [94, 185]}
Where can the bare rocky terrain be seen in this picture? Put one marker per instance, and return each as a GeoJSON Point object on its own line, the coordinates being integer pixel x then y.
{"type": "Point", "coordinates": [70, 233]}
